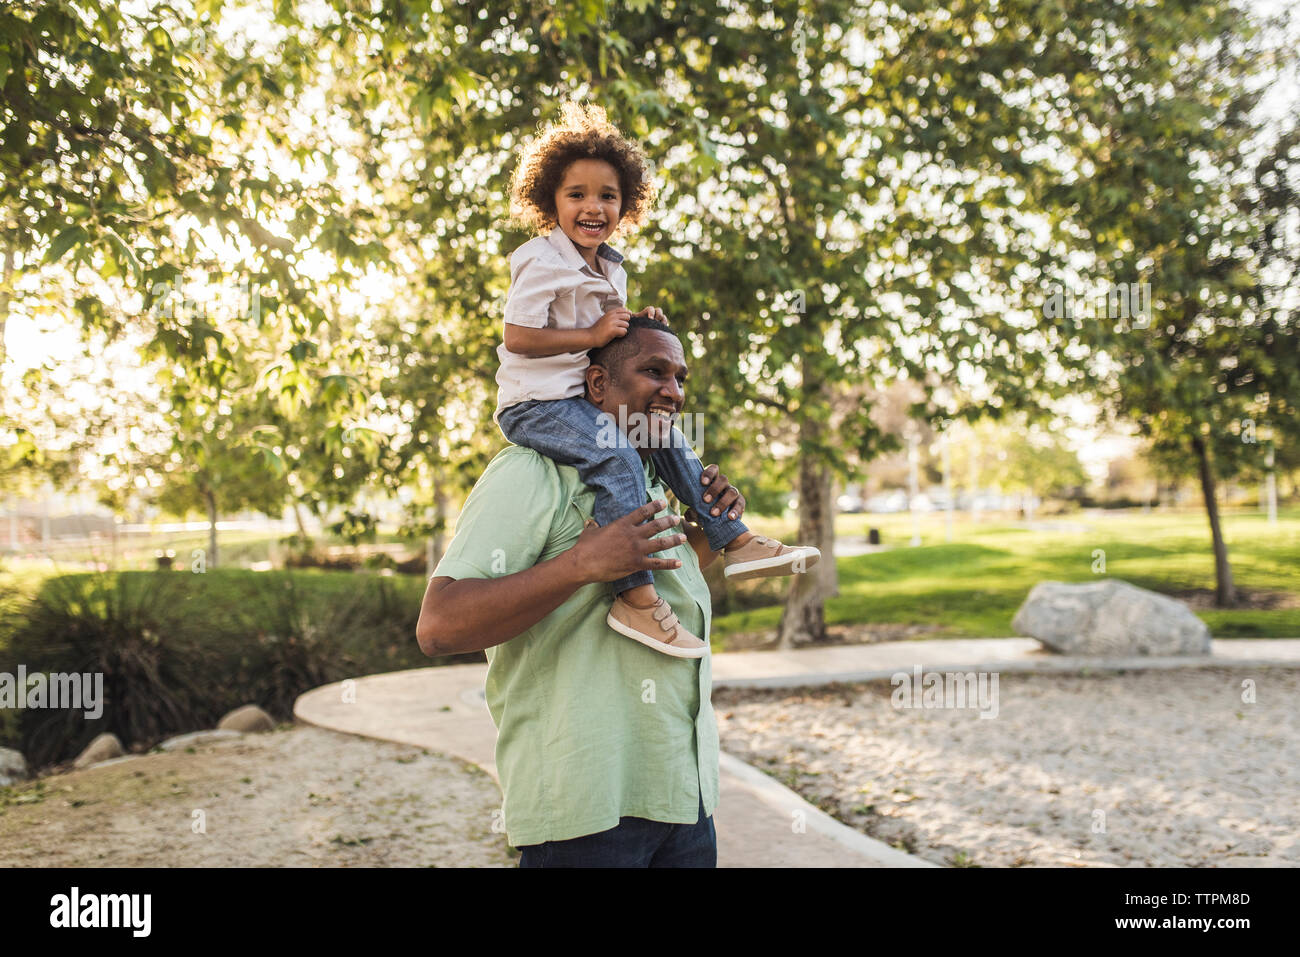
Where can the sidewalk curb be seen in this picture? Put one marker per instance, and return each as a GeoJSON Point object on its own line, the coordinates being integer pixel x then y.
{"type": "Point", "coordinates": [787, 802]}
{"type": "Point", "coordinates": [1072, 665]}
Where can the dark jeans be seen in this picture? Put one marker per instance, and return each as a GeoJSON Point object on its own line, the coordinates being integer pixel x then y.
{"type": "Point", "coordinates": [634, 842]}
{"type": "Point", "coordinates": [574, 432]}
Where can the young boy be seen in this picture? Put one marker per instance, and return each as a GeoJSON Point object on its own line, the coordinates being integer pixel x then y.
{"type": "Point", "coordinates": [581, 180]}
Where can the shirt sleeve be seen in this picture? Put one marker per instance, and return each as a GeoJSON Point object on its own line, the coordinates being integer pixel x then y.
{"type": "Point", "coordinates": [534, 285]}
{"type": "Point", "coordinates": [507, 518]}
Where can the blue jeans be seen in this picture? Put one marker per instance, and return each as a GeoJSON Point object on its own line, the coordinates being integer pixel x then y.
{"type": "Point", "coordinates": [568, 431]}
{"type": "Point", "coordinates": [634, 842]}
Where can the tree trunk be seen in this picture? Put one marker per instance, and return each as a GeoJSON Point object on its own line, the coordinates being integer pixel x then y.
{"type": "Point", "coordinates": [210, 560]}
{"type": "Point", "coordinates": [4, 301]}
{"type": "Point", "coordinates": [437, 541]}
{"type": "Point", "coordinates": [302, 529]}
{"type": "Point", "coordinates": [804, 618]}
{"type": "Point", "coordinates": [1225, 595]}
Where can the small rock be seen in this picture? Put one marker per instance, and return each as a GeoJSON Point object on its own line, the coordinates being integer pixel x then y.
{"type": "Point", "coordinates": [13, 767]}
{"type": "Point", "coordinates": [124, 758]}
{"type": "Point", "coordinates": [103, 748]}
{"type": "Point", "coordinates": [1110, 618]}
{"type": "Point", "coordinates": [197, 737]}
{"type": "Point", "coordinates": [248, 718]}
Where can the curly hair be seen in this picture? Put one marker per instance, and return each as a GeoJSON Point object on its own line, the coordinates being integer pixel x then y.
{"type": "Point", "coordinates": [584, 132]}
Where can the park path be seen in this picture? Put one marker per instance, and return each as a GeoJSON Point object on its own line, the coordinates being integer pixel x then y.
{"type": "Point", "coordinates": [760, 823]}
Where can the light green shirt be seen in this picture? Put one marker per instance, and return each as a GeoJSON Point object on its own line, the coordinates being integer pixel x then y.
{"type": "Point", "coordinates": [591, 725]}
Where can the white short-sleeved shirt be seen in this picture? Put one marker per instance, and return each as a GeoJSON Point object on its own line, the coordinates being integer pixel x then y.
{"type": "Point", "coordinates": [552, 286]}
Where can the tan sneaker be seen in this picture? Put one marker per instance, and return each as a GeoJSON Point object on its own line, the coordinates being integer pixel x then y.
{"type": "Point", "coordinates": [656, 627]}
{"type": "Point", "coordinates": [766, 557]}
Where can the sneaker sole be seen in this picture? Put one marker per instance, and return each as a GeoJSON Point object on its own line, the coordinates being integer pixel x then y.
{"type": "Point", "coordinates": [649, 642]}
{"type": "Point", "coordinates": [772, 567]}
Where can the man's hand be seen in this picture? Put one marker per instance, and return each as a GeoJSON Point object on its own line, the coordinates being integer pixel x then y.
{"type": "Point", "coordinates": [654, 312]}
{"type": "Point", "coordinates": [609, 327]}
{"type": "Point", "coordinates": [626, 545]}
{"type": "Point", "coordinates": [722, 494]}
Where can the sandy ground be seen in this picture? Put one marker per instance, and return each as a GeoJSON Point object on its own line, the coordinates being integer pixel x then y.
{"type": "Point", "coordinates": [1159, 769]}
{"type": "Point", "coordinates": [299, 796]}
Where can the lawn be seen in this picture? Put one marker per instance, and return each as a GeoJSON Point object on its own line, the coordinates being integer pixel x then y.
{"type": "Point", "coordinates": [237, 548]}
{"type": "Point", "coordinates": [970, 587]}
{"type": "Point", "coordinates": [973, 586]}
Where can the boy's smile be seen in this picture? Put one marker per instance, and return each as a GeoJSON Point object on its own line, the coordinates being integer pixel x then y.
{"type": "Point", "coordinates": [588, 205]}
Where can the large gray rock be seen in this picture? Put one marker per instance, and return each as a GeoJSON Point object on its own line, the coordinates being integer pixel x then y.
{"type": "Point", "coordinates": [1110, 618]}
{"type": "Point", "coordinates": [13, 767]}
{"type": "Point", "coordinates": [105, 747]}
{"type": "Point", "coordinates": [249, 718]}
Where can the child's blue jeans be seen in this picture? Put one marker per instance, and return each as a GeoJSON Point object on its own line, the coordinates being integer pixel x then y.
{"type": "Point", "coordinates": [567, 431]}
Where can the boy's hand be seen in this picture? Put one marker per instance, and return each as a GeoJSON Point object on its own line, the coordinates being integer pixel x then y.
{"type": "Point", "coordinates": [654, 312]}
{"type": "Point", "coordinates": [612, 325]}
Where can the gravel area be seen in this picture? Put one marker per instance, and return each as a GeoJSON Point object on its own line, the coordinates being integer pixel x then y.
{"type": "Point", "coordinates": [297, 797]}
{"type": "Point", "coordinates": [1131, 769]}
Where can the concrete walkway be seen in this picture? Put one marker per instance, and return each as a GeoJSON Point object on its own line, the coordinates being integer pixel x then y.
{"type": "Point", "coordinates": [760, 823]}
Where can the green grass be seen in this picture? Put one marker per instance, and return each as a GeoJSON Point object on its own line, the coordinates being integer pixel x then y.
{"type": "Point", "coordinates": [236, 548]}
{"type": "Point", "coordinates": [973, 586]}
{"type": "Point", "coordinates": [968, 588]}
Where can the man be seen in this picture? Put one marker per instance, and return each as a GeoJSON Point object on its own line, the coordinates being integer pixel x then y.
{"type": "Point", "coordinates": [607, 750]}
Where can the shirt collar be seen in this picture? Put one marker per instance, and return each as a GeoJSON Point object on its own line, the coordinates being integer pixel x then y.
{"type": "Point", "coordinates": [569, 252]}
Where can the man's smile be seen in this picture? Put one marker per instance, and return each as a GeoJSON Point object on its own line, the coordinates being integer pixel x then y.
{"type": "Point", "coordinates": [664, 413]}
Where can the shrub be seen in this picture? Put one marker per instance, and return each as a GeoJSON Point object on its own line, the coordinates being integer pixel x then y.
{"type": "Point", "coordinates": [127, 628]}
{"type": "Point", "coordinates": [178, 650]}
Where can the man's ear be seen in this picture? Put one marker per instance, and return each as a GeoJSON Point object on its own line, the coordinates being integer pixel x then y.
{"type": "Point", "coordinates": [597, 383]}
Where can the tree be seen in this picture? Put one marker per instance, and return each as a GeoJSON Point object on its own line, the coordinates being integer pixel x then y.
{"type": "Point", "coordinates": [143, 150]}
{"type": "Point", "coordinates": [871, 183]}
{"type": "Point", "coordinates": [859, 175]}
{"type": "Point", "coordinates": [1178, 199]}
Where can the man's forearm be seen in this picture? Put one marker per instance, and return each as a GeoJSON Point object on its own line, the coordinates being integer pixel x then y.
{"type": "Point", "coordinates": [704, 554]}
{"type": "Point", "coordinates": [470, 614]}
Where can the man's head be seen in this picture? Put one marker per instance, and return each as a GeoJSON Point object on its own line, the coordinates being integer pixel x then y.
{"type": "Point", "coordinates": [640, 379]}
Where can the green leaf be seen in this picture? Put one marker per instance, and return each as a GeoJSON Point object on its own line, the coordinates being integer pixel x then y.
{"type": "Point", "coordinates": [65, 241]}
{"type": "Point", "coordinates": [124, 252]}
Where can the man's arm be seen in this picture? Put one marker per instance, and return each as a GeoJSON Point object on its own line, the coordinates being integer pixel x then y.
{"type": "Point", "coordinates": [726, 497]}
{"type": "Point", "coordinates": [470, 614]}
{"type": "Point", "coordinates": [700, 545]}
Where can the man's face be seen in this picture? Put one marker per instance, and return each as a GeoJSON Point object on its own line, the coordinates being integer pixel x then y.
{"type": "Point", "coordinates": [588, 201]}
{"type": "Point", "coordinates": [647, 391]}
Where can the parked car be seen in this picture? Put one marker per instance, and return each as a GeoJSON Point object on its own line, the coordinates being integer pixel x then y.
{"type": "Point", "coordinates": [886, 502]}
{"type": "Point", "coordinates": [850, 504]}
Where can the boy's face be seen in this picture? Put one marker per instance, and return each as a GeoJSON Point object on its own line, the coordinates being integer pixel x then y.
{"type": "Point", "coordinates": [588, 202]}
